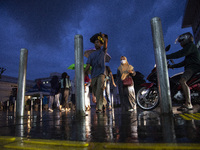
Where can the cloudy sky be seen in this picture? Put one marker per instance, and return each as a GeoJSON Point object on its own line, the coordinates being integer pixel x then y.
{"type": "Point", "coordinates": [47, 29]}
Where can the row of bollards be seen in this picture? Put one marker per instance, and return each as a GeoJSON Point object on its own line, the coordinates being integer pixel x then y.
{"type": "Point", "coordinates": [79, 76]}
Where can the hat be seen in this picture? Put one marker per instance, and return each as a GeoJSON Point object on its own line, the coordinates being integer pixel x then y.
{"type": "Point", "coordinates": [98, 36]}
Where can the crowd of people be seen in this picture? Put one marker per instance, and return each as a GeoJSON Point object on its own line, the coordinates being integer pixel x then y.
{"type": "Point", "coordinates": [60, 92]}
{"type": "Point", "coordinates": [102, 77]}
{"type": "Point", "coordinates": [97, 82]}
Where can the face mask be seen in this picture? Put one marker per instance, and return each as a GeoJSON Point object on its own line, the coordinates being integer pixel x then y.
{"type": "Point", "coordinates": [123, 61]}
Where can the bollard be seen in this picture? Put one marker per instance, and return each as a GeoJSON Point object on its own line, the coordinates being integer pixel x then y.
{"type": "Point", "coordinates": [79, 75]}
{"type": "Point", "coordinates": [31, 104]}
{"type": "Point", "coordinates": [161, 66]}
{"type": "Point", "coordinates": [8, 104]}
{"type": "Point", "coordinates": [41, 101]}
{"type": "Point", "coordinates": [169, 135]}
{"type": "Point", "coordinates": [19, 128]}
{"type": "Point", "coordinates": [21, 83]}
{"type": "Point", "coordinates": [15, 106]}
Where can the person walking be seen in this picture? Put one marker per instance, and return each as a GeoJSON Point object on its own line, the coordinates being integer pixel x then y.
{"type": "Point", "coordinates": [107, 94]}
{"type": "Point", "coordinates": [191, 65]}
{"type": "Point", "coordinates": [97, 61]}
{"type": "Point", "coordinates": [54, 93]}
{"type": "Point", "coordinates": [65, 86]}
{"type": "Point", "coordinates": [126, 92]}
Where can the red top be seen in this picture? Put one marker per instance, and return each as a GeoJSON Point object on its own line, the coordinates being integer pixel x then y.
{"type": "Point", "coordinates": [86, 79]}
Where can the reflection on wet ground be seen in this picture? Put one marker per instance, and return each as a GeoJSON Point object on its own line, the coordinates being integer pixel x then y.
{"type": "Point", "coordinates": [112, 126]}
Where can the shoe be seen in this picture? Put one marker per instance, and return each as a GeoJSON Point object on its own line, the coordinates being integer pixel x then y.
{"type": "Point", "coordinates": [184, 107]}
{"type": "Point", "coordinates": [62, 110]}
{"type": "Point", "coordinates": [50, 110]}
{"type": "Point", "coordinates": [67, 109]}
{"type": "Point", "coordinates": [131, 110]}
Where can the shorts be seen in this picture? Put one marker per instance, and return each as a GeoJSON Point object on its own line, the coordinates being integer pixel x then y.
{"type": "Point", "coordinates": [188, 73]}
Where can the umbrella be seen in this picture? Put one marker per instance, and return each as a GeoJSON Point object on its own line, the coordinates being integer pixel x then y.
{"type": "Point", "coordinates": [72, 67]}
{"type": "Point", "coordinates": [89, 51]}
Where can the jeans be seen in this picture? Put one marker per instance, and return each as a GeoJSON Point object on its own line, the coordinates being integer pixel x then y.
{"type": "Point", "coordinates": [56, 98]}
{"type": "Point", "coordinates": [107, 94]}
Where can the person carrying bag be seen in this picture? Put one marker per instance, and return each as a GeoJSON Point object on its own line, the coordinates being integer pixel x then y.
{"type": "Point", "coordinates": [125, 72]}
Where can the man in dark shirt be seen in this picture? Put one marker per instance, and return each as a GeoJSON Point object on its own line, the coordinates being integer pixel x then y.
{"type": "Point", "coordinates": [191, 64]}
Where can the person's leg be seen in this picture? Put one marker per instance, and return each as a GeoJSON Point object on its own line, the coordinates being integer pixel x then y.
{"type": "Point", "coordinates": [126, 103]}
{"type": "Point", "coordinates": [57, 96]}
{"type": "Point", "coordinates": [88, 94]}
{"type": "Point", "coordinates": [62, 98]}
{"type": "Point", "coordinates": [94, 89]}
{"type": "Point", "coordinates": [131, 97]}
{"type": "Point", "coordinates": [94, 86]}
{"type": "Point", "coordinates": [121, 97]}
{"type": "Point", "coordinates": [108, 94]}
{"type": "Point", "coordinates": [186, 91]}
{"type": "Point", "coordinates": [87, 99]}
{"type": "Point", "coordinates": [99, 91]}
{"type": "Point", "coordinates": [66, 96]}
{"type": "Point", "coordinates": [51, 98]}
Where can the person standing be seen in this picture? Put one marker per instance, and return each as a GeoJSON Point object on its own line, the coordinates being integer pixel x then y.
{"type": "Point", "coordinates": [97, 61]}
{"type": "Point", "coordinates": [127, 93]}
{"type": "Point", "coordinates": [54, 93]}
{"type": "Point", "coordinates": [65, 86]}
{"type": "Point", "coordinates": [191, 65]}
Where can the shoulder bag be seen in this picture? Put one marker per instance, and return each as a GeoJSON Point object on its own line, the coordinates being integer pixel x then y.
{"type": "Point", "coordinates": [128, 81]}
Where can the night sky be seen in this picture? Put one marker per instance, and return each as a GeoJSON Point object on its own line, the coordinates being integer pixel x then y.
{"type": "Point", "coordinates": [47, 29]}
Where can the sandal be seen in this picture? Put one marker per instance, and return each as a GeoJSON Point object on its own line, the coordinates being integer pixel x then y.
{"type": "Point", "coordinates": [184, 107]}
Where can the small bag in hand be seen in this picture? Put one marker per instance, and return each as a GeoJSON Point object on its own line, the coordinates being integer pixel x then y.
{"type": "Point", "coordinates": [128, 81]}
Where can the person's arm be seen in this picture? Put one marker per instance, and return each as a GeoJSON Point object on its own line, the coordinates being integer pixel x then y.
{"type": "Point", "coordinates": [87, 69]}
{"type": "Point", "coordinates": [181, 53]}
{"type": "Point", "coordinates": [113, 81]}
{"type": "Point", "coordinates": [132, 72]}
{"type": "Point", "coordinates": [105, 41]}
{"type": "Point", "coordinates": [179, 65]}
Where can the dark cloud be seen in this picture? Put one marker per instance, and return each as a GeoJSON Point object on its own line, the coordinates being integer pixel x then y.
{"type": "Point", "coordinates": [42, 20]}
{"type": "Point", "coordinates": [47, 29]}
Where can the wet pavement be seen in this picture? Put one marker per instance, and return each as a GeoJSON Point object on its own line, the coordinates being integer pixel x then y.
{"type": "Point", "coordinates": [110, 130]}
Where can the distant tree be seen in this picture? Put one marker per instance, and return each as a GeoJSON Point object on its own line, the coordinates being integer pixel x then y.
{"type": "Point", "coordinates": [138, 80]}
{"type": "Point", "coordinates": [1, 71]}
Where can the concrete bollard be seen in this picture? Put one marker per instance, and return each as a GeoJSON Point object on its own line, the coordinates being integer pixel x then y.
{"type": "Point", "coordinates": [41, 102]}
{"type": "Point", "coordinates": [79, 75]}
{"type": "Point", "coordinates": [21, 83]}
{"type": "Point", "coordinates": [161, 66]}
{"type": "Point", "coordinates": [168, 130]}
